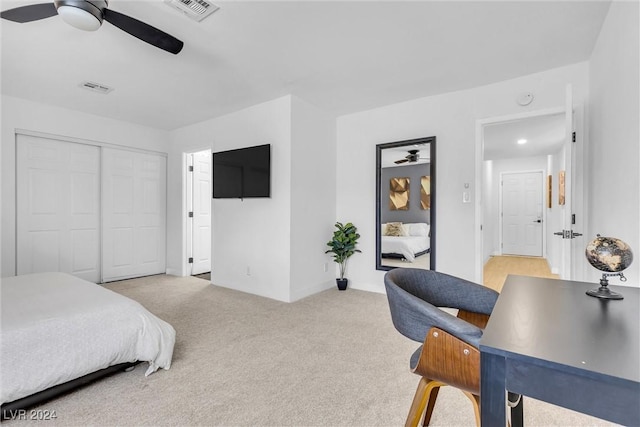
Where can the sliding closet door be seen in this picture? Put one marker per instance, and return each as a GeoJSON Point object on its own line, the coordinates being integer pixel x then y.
{"type": "Point", "coordinates": [134, 214]}
{"type": "Point", "coordinates": [58, 207]}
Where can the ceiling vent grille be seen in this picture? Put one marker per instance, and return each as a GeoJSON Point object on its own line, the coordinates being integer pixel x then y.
{"type": "Point", "coordinates": [194, 9]}
{"type": "Point", "coordinates": [96, 87]}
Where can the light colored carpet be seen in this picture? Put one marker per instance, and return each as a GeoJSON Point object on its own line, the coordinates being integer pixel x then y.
{"type": "Point", "coordinates": [333, 359]}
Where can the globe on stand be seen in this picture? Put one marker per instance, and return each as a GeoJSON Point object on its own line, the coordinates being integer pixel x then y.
{"type": "Point", "coordinates": [611, 256]}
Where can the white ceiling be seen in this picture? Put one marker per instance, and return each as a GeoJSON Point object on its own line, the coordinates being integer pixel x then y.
{"type": "Point", "coordinates": [341, 56]}
{"type": "Point", "coordinates": [544, 135]}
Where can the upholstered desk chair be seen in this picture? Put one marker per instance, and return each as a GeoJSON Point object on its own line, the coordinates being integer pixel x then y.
{"type": "Point", "coordinates": [449, 354]}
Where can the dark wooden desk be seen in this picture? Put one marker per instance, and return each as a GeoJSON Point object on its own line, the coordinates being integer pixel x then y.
{"type": "Point", "coordinates": [548, 340]}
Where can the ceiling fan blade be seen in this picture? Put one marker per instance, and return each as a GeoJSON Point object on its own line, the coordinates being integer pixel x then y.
{"type": "Point", "coordinates": [144, 32]}
{"type": "Point", "coordinates": [398, 162]}
{"type": "Point", "coordinates": [33, 12]}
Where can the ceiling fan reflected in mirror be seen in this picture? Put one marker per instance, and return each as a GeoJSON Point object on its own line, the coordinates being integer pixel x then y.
{"type": "Point", "coordinates": [88, 15]}
{"type": "Point", "coordinates": [412, 157]}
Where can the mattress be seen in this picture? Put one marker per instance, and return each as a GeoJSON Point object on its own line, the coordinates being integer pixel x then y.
{"type": "Point", "coordinates": [407, 246]}
{"type": "Point", "coordinates": [57, 327]}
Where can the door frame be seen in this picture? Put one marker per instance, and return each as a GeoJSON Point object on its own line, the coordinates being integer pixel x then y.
{"type": "Point", "coordinates": [184, 207]}
{"type": "Point", "coordinates": [543, 214]}
{"type": "Point", "coordinates": [479, 181]}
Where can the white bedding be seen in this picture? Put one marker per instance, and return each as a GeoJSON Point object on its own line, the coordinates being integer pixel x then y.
{"type": "Point", "coordinates": [57, 327]}
{"type": "Point", "coordinates": [415, 241]}
{"type": "Point", "coordinates": [407, 246]}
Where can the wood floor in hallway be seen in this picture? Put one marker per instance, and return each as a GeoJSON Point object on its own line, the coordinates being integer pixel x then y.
{"type": "Point", "coordinates": [498, 267]}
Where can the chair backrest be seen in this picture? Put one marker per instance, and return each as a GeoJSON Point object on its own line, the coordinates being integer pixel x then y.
{"type": "Point", "coordinates": [414, 296]}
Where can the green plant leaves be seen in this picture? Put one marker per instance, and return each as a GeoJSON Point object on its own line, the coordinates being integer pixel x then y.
{"type": "Point", "coordinates": [343, 244]}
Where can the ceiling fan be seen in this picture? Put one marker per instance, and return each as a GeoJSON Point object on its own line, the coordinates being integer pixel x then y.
{"type": "Point", "coordinates": [88, 15]}
{"type": "Point", "coordinates": [412, 157]}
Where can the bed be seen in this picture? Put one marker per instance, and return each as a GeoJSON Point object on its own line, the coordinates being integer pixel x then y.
{"type": "Point", "coordinates": [57, 328]}
{"type": "Point", "coordinates": [405, 241]}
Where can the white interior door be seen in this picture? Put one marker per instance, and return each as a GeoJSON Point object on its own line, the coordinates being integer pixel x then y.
{"type": "Point", "coordinates": [201, 208]}
{"type": "Point", "coordinates": [566, 234]}
{"type": "Point", "coordinates": [522, 200]}
{"type": "Point", "coordinates": [134, 214]}
{"type": "Point", "coordinates": [58, 207]}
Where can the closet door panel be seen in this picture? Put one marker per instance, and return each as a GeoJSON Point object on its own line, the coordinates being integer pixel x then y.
{"type": "Point", "coordinates": [85, 252]}
{"type": "Point", "coordinates": [40, 252]}
{"type": "Point", "coordinates": [58, 207]}
{"type": "Point", "coordinates": [134, 206]}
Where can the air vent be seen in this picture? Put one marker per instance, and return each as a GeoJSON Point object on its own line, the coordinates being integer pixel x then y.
{"type": "Point", "coordinates": [194, 9]}
{"type": "Point", "coordinates": [96, 87]}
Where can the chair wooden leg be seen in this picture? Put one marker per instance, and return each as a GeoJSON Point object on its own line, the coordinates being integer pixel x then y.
{"type": "Point", "coordinates": [423, 392]}
{"type": "Point", "coordinates": [432, 402]}
{"type": "Point", "coordinates": [475, 400]}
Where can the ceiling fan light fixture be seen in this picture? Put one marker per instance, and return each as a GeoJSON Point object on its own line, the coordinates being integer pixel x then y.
{"type": "Point", "coordinates": [84, 15]}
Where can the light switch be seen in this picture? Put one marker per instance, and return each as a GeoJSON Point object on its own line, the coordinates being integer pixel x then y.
{"type": "Point", "coordinates": [466, 197]}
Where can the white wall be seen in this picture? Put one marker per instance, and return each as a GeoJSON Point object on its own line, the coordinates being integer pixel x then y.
{"type": "Point", "coordinates": [451, 118]}
{"type": "Point", "coordinates": [27, 115]}
{"type": "Point", "coordinates": [313, 198]}
{"type": "Point", "coordinates": [280, 239]}
{"type": "Point", "coordinates": [614, 135]}
{"type": "Point", "coordinates": [250, 233]}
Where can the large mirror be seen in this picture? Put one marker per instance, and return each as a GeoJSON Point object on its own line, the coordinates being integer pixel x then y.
{"type": "Point", "coordinates": [405, 204]}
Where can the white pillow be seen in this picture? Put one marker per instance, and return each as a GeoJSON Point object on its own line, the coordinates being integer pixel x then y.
{"type": "Point", "coordinates": [418, 229]}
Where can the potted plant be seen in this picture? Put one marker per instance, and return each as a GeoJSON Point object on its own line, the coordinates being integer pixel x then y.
{"type": "Point", "coordinates": [343, 245]}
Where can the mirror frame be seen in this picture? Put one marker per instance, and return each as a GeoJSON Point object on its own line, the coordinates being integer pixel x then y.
{"type": "Point", "coordinates": [432, 225]}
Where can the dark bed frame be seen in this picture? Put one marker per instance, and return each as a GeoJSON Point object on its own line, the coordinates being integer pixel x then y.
{"type": "Point", "coordinates": [400, 256]}
{"type": "Point", "coordinates": [12, 410]}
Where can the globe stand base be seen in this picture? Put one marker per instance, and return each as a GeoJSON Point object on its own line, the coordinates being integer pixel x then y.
{"type": "Point", "coordinates": [603, 291]}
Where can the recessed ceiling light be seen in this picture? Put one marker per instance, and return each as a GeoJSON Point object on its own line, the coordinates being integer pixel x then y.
{"type": "Point", "coordinates": [522, 141]}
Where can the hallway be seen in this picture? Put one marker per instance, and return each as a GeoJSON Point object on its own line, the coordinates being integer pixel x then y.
{"type": "Point", "coordinates": [498, 267]}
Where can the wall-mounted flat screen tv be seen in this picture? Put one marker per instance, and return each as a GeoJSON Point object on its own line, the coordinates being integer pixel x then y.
{"type": "Point", "coordinates": [243, 172]}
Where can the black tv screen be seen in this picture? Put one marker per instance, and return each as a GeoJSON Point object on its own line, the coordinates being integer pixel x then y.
{"type": "Point", "coordinates": [244, 172]}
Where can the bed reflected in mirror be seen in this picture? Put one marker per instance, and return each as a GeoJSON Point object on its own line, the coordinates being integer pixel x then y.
{"type": "Point", "coordinates": [405, 204]}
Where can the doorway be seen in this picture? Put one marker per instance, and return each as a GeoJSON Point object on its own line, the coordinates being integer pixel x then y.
{"type": "Point", "coordinates": [518, 154]}
{"type": "Point", "coordinates": [198, 180]}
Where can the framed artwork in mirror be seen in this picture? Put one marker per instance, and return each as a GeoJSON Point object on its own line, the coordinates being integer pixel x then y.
{"type": "Point", "coordinates": [425, 192]}
{"type": "Point", "coordinates": [405, 204]}
{"type": "Point", "coordinates": [399, 194]}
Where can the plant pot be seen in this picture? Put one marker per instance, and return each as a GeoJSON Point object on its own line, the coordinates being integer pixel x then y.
{"type": "Point", "coordinates": [342, 284]}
